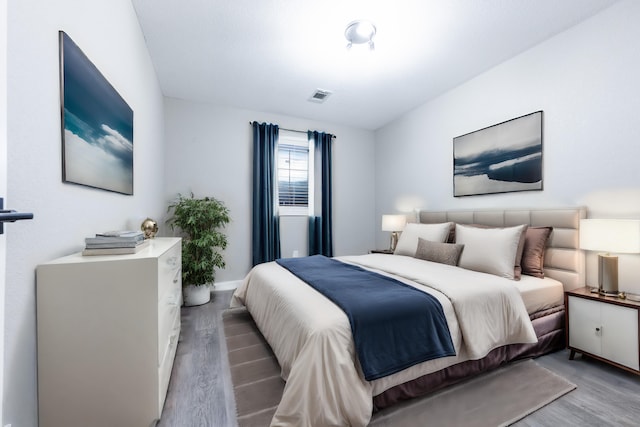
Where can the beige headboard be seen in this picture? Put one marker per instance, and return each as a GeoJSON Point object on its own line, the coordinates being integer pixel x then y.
{"type": "Point", "coordinates": [563, 261]}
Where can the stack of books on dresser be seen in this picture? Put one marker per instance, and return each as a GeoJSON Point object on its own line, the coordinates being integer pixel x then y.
{"type": "Point", "coordinates": [115, 243]}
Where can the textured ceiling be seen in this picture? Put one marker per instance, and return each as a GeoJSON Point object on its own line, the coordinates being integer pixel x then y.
{"type": "Point", "coordinates": [271, 55]}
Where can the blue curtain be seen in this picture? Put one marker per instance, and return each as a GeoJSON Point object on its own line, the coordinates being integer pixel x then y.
{"type": "Point", "coordinates": [266, 225]}
{"type": "Point", "coordinates": [320, 229]}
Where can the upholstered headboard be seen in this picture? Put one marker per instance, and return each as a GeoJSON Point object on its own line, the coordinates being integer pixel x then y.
{"type": "Point", "coordinates": [563, 261]}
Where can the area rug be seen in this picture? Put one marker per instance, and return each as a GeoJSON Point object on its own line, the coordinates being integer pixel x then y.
{"type": "Point", "coordinates": [498, 398]}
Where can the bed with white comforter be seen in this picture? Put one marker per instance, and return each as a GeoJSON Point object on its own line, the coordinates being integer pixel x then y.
{"type": "Point", "coordinates": [311, 336]}
{"type": "Point", "coordinates": [487, 316]}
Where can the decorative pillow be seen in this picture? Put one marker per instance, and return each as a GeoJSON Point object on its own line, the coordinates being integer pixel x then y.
{"type": "Point", "coordinates": [451, 238]}
{"type": "Point", "coordinates": [444, 253]}
{"type": "Point", "coordinates": [535, 245]}
{"type": "Point", "coordinates": [517, 267]}
{"type": "Point", "coordinates": [490, 250]}
{"type": "Point", "coordinates": [408, 241]}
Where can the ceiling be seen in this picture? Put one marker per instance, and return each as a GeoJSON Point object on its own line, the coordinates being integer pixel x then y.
{"type": "Point", "coordinates": [271, 55]}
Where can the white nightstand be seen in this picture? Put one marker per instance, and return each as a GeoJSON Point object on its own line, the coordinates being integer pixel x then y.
{"type": "Point", "coordinates": [603, 327]}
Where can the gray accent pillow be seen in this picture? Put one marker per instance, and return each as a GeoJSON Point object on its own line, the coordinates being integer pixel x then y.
{"type": "Point", "coordinates": [535, 245]}
{"type": "Point", "coordinates": [443, 253]}
{"type": "Point", "coordinates": [408, 241]}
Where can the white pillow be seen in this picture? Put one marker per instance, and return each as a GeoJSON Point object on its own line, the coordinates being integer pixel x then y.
{"type": "Point", "coordinates": [490, 250]}
{"type": "Point", "coordinates": [408, 241]}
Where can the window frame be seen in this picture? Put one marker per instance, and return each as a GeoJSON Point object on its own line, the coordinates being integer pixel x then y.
{"type": "Point", "coordinates": [301, 140]}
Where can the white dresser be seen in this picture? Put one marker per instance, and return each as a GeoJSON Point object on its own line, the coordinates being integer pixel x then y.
{"type": "Point", "coordinates": [108, 329]}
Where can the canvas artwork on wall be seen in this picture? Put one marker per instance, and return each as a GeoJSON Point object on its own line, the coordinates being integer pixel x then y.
{"type": "Point", "coordinates": [97, 125]}
{"type": "Point", "coordinates": [500, 158]}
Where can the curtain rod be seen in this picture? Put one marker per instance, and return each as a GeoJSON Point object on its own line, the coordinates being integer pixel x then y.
{"type": "Point", "coordinates": [293, 130]}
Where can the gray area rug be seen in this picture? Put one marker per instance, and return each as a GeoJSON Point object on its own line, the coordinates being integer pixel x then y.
{"type": "Point", "coordinates": [498, 398]}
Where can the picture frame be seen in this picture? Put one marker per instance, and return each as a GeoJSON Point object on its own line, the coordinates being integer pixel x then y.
{"type": "Point", "coordinates": [505, 157]}
{"type": "Point", "coordinates": [96, 125]}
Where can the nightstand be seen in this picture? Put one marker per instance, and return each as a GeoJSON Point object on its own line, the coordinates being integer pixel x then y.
{"type": "Point", "coordinates": [381, 251]}
{"type": "Point", "coordinates": [603, 327]}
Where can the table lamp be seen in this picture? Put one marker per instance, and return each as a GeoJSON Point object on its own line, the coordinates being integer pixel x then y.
{"type": "Point", "coordinates": [394, 224]}
{"type": "Point", "coordinates": [609, 235]}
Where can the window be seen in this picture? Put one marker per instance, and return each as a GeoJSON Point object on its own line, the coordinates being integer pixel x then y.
{"type": "Point", "coordinates": [294, 166]}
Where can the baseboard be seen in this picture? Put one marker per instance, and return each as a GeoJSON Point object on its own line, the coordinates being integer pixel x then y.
{"type": "Point", "coordinates": [226, 286]}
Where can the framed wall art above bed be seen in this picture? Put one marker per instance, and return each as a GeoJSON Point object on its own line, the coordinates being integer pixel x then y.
{"type": "Point", "coordinates": [501, 158]}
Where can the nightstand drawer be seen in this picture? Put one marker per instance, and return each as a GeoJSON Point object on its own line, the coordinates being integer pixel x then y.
{"type": "Point", "coordinates": [620, 340]}
{"type": "Point", "coordinates": [585, 325]}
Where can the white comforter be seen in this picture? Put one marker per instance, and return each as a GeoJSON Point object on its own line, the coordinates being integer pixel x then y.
{"type": "Point", "coordinates": [311, 336]}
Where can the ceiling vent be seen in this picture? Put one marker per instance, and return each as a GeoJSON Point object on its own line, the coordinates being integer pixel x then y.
{"type": "Point", "coordinates": [319, 96]}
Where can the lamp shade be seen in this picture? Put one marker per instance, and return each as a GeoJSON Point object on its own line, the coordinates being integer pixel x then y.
{"type": "Point", "coordinates": [610, 235]}
{"type": "Point", "coordinates": [393, 222]}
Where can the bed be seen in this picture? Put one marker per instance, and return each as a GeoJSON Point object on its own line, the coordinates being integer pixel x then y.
{"type": "Point", "coordinates": [311, 336]}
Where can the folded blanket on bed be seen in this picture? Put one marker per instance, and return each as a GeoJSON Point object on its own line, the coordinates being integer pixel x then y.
{"type": "Point", "coordinates": [388, 337]}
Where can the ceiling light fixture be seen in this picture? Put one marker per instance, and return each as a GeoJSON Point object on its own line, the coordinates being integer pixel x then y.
{"type": "Point", "coordinates": [360, 32]}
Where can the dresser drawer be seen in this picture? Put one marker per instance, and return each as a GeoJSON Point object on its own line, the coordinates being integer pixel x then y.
{"type": "Point", "coordinates": [168, 323]}
{"type": "Point", "coordinates": [166, 363]}
{"type": "Point", "coordinates": [169, 271]}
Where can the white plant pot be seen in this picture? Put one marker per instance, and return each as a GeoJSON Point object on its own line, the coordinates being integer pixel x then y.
{"type": "Point", "coordinates": [196, 295]}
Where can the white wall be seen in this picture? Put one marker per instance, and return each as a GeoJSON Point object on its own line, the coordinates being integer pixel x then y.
{"type": "Point", "coordinates": [586, 82]}
{"type": "Point", "coordinates": [108, 33]}
{"type": "Point", "coordinates": [3, 181]}
{"type": "Point", "coordinates": [294, 236]}
{"type": "Point", "coordinates": [209, 152]}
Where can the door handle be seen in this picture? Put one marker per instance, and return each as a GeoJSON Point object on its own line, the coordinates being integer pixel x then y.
{"type": "Point", "coordinates": [10, 215]}
{"type": "Point", "coordinates": [13, 216]}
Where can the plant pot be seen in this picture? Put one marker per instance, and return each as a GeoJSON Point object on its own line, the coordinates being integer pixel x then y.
{"type": "Point", "coordinates": [196, 295]}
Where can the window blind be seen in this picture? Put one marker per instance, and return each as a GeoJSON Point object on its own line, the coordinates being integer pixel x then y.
{"type": "Point", "coordinates": [293, 175]}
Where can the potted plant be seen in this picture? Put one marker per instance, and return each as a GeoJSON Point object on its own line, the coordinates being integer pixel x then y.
{"type": "Point", "coordinates": [200, 221]}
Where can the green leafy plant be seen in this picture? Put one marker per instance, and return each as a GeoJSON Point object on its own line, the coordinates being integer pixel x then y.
{"type": "Point", "coordinates": [200, 221]}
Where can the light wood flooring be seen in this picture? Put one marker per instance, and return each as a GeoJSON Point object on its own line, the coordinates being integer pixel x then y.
{"type": "Point", "coordinates": [200, 392]}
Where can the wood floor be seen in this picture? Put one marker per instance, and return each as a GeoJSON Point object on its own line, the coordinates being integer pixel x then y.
{"type": "Point", "coordinates": [200, 392]}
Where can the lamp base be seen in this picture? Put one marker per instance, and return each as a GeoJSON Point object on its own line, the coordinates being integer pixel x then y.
{"type": "Point", "coordinates": [394, 241]}
{"type": "Point", "coordinates": [607, 274]}
{"type": "Point", "coordinates": [605, 293]}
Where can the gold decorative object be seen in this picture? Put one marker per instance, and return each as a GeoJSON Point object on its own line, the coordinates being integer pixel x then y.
{"type": "Point", "coordinates": [150, 228]}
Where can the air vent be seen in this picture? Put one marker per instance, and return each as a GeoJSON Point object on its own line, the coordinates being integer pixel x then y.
{"type": "Point", "coordinates": [319, 96]}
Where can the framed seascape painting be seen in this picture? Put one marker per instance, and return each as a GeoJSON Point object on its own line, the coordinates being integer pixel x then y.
{"type": "Point", "coordinates": [500, 158]}
{"type": "Point", "coordinates": [97, 125]}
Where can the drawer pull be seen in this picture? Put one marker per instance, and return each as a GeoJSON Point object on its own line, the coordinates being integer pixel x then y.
{"type": "Point", "coordinates": [174, 299]}
{"type": "Point", "coordinates": [174, 336]}
{"type": "Point", "coordinates": [172, 262]}
{"type": "Point", "coordinates": [172, 339]}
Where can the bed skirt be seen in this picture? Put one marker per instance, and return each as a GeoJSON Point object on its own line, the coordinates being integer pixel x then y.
{"type": "Point", "coordinates": [549, 326]}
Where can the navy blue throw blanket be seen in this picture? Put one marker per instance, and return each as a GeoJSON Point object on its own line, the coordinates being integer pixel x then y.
{"type": "Point", "coordinates": [394, 325]}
